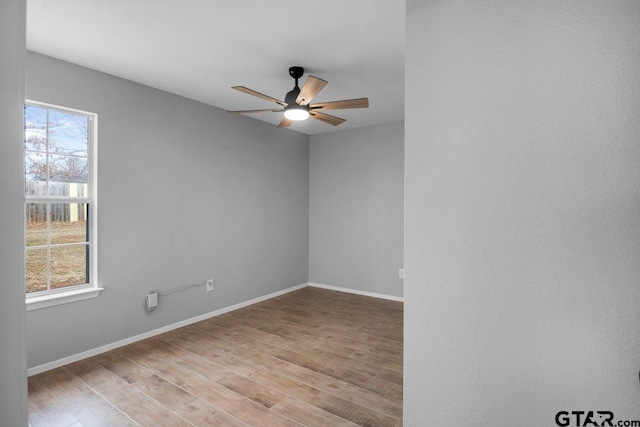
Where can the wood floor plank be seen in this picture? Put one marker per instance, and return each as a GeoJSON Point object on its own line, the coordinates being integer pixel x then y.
{"type": "Point", "coordinates": [94, 375]}
{"type": "Point", "coordinates": [193, 342]}
{"type": "Point", "coordinates": [122, 367]}
{"type": "Point", "coordinates": [67, 388]}
{"type": "Point", "coordinates": [90, 409]}
{"type": "Point", "coordinates": [394, 377]}
{"type": "Point", "coordinates": [221, 356]}
{"type": "Point", "coordinates": [254, 336]}
{"type": "Point", "coordinates": [260, 357]}
{"type": "Point", "coordinates": [319, 345]}
{"type": "Point", "coordinates": [251, 389]}
{"type": "Point", "coordinates": [257, 415]}
{"type": "Point", "coordinates": [312, 357]}
{"type": "Point", "coordinates": [395, 393]}
{"type": "Point", "coordinates": [358, 378]}
{"type": "Point", "coordinates": [314, 363]}
{"type": "Point", "coordinates": [309, 415]}
{"type": "Point", "coordinates": [131, 401]}
{"type": "Point", "coordinates": [237, 364]}
{"type": "Point", "coordinates": [390, 363]}
{"type": "Point", "coordinates": [53, 418]}
{"type": "Point", "coordinates": [285, 385]}
{"type": "Point", "coordinates": [200, 413]}
{"type": "Point", "coordinates": [41, 398]}
{"type": "Point", "coordinates": [204, 388]}
{"type": "Point", "coordinates": [312, 378]}
{"type": "Point", "coordinates": [140, 407]}
{"type": "Point", "coordinates": [202, 366]}
{"type": "Point", "coordinates": [371, 400]}
{"type": "Point", "coordinates": [167, 394]}
{"type": "Point", "coordinates": [384, 332]}
{"type": "Point", "coordinates": [44, 407]}
{"type": "Point", "coordinates": [97, 412]}
{"type": "Point", "coordinates": [352, 411]}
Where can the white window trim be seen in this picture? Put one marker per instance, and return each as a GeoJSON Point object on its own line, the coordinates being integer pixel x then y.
{"type": "Point", "coordinates": [92, 290]}
{"type": "Point", "coordinates": [43, 301]}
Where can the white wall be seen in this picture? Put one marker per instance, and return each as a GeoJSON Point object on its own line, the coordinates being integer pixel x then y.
{"type": "Point", "coordinates": [522, 215]}
{"type": "Point", "coordinates": [356, 208]}
{"type": "Point", "coordinates": [187, 192]}
{"type": "Point", "coordinates": [13, 369]}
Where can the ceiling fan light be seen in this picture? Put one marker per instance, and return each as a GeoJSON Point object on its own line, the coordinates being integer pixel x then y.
{"type": "Point", "coordinates": [296, 113]}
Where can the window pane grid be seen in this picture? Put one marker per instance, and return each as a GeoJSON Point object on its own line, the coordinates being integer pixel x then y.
{"type": "Point", "coordinates": [41, 199]}
{"type": "Point", "coordinates": [59, 156]}
{"type": "Point", "coordinates": [61, 263]}
{"type": "Point", "coordinates": [58, 197]}
{"type": "Point", "coordinates": [78, 156]}
{"type": "Point", "coordinates": [61, 245]}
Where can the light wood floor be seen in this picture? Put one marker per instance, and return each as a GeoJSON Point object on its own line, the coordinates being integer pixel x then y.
{"type": "Point", "coordinates": [312, 357]}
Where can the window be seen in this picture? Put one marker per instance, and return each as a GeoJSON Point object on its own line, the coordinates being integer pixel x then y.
{"type": "Point", "coordinates": [60, 205]}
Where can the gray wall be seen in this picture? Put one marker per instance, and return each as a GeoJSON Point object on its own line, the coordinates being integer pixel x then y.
{"type": "Point", "coordinates": [522, 211]}
{"type": "Point", "coordinates": [13, 361]}
{"type": "Point", "coordinates": [187, 192]}
{"type": "Point", "coordinates": [356, 208]}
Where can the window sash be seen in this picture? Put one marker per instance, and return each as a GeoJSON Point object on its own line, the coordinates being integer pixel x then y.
{"type": "Point", "coordinates": [89, 199]}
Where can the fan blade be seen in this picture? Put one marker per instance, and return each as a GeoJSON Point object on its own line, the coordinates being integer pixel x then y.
{"type": "Point", "coordinates": [265, 110]}
{"type": "Point", "coordinates": [285, 123]}
{"type": "Point", "coordinates": [312, 87]}
{"type": "Point", "coordinates": [332, 120]}
{"type": "Point", "coordinates": [258, 94]}
{"type": "Point", "coordinates": [337, 105]}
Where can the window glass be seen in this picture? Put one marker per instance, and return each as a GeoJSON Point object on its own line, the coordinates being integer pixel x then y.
{"type": "Point", "coordinates": [35, 128]}
{"type": "Point", "coordinates": [59, 194]}
{"type": "Point", "coordinates": [36, 269]}
{"type": "Point", "coordinates": [68, 266]}
{"type": "Point", "coordinates": [68, 133]}
{"type": "Point", "coordinates": [36, 224]}
{"type": "Point", "coordinates": [68, 223]}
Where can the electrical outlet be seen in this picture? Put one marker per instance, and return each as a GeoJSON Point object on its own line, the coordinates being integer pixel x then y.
{"type": "Point", "coordinates": [209, 285]}
{"type": "Point", "coordinates": [401, 273]}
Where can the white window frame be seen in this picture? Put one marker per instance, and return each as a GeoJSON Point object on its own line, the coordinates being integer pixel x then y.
{"type": "Point", "coordinates": [52, 297]}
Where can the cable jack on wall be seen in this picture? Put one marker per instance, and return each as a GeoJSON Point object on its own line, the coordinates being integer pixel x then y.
{"type": "Point", "coordinates": [152, 299]}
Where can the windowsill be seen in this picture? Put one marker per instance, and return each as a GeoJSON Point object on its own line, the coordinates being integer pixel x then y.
{"type": "Point", "coordinates": [36, 303]}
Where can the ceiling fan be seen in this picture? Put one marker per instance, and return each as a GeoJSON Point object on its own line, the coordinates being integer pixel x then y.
{"type": "Point", "coordinates": [296, 104]}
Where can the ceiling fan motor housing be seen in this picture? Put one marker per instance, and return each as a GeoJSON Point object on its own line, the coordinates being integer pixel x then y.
{"type": "Point", "coordinates": [293, 110]}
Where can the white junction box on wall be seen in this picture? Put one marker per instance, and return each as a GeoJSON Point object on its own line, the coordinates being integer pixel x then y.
{"type": "Point", "coordinates": [152, 300]}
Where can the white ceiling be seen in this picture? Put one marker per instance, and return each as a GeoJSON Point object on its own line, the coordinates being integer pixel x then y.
{"type": "Point", "coordinates": [200, 48]}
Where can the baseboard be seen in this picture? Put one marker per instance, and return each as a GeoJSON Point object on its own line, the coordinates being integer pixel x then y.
{"type": "Point", "coordinates": [89, 353]}
{"type": "Point", "coordinates": [358, 292]}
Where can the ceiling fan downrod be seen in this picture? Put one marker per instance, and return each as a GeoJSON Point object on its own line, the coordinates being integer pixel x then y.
{"type": "Point", "coordinates": [293, 110]}
{"type": "Point", "coordinates": [296, 73]}
{"type": "Point", "coordinates": [292, 95]}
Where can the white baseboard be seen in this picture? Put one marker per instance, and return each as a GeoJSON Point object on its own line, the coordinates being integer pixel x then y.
{"type": "Point", "coordinates": [355, 291]}
{"type": "Point", "coordinates": [85, 354]}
